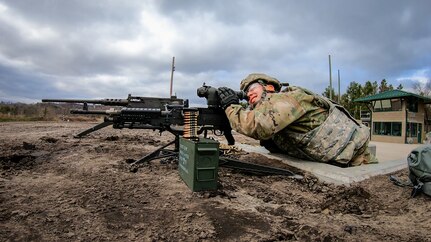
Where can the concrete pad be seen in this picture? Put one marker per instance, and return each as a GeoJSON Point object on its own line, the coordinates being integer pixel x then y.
{"type": "Point", "coordinates": [392, 157]}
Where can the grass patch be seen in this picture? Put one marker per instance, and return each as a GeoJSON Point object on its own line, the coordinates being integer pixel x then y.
{"type": "Point", "coordinates": [20, 118]}
{"type": "Point", "coordinates": [71, 118]}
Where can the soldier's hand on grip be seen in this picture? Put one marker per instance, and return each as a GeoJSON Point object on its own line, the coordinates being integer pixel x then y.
{"type": "Point", "coordinates": [227, 97]}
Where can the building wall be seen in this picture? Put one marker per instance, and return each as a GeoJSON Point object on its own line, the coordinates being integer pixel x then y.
{"type": "Point", "coordinates": [399, 116]}
{"type": "Point", "coordinates": [390, 116]}
{"type": "Point", "coordinates": [419, 118]}
{"type": "Point", "coordinates": [388, 139]}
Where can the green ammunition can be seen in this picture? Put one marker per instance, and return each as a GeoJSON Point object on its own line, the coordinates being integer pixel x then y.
{"type": "Point", "coordinates": [198, 163]}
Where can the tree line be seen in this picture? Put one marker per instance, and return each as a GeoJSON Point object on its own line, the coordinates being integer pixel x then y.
{"type": "Point", "coordinates": [40, 112]}
{"type": "Point", "coordinates": [355, 90]}
{"type": "Point", "coordinates": [47, 111]}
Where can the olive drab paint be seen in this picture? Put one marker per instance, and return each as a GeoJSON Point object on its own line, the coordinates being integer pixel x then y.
{"type": "Point", "coordinates": [198, 163]}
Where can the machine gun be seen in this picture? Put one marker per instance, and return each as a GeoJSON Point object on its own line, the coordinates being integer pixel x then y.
{"type": "Point", "coordinates": [163, 114]}
{"type": "Point", "coordinates": [131, 103]}
{"type": "Point", "coordinates": [173, 115]}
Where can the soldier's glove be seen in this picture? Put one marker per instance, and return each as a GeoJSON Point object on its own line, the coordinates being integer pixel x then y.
{"type": "Point", "coordinates": [227, 97]}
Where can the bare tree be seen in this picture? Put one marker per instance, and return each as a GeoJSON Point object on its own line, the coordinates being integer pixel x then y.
{"type": "Point", "coordinates": [428, 87]}
{"type": "Point", "coordinates": [423, 89]}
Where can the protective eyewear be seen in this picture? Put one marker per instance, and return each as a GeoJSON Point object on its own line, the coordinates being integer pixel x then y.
{"type": "Point", "coordinates": [253, 86]}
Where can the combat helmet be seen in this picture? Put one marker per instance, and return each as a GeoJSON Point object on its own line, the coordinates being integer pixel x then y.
{"type": "Point", "coordinates": [265, 79]}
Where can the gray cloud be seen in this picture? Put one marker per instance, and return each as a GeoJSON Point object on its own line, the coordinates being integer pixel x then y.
{"type": "Point", "coordinates": [94, 49]}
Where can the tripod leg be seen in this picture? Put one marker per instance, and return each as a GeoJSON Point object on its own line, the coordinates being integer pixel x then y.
{"type": "Point", "coordinates": [156, 154]}
{"type": "Point", "coordinates": [92, 129]}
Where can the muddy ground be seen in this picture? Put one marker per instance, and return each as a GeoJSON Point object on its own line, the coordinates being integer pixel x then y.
{"type": "Point", "coordinates": [54, 187]}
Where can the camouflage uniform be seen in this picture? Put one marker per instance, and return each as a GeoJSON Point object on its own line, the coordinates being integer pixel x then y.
{"type": "Point", "coordinates": [304, 125]}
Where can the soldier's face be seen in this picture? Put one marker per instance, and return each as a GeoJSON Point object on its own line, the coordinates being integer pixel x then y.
{"type": "Point", "coordinates": [254, 93]}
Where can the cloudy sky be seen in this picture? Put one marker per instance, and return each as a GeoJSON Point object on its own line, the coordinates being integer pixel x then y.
{"type": "Point", "coordinates": [110, 48]}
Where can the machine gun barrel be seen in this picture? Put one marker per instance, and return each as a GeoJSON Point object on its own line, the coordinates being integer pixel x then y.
{"type": "Point", "coordinates": [131, 102]}
{"type": "Point", "coordinates": [96, 112]}
{"type": "Point", "coordinates": [106, 101]}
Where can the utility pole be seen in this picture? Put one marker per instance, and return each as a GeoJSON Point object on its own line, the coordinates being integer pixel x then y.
{"type": "Point", "coordinates": [172, 75]}
{"type": "Point", "coordinates": [339, 94]}
{"type": "Point", "coordinates": [330, 79]}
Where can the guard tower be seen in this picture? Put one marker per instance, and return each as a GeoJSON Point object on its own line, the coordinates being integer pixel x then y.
{"type": "Point", "coordinates": [397, 116]}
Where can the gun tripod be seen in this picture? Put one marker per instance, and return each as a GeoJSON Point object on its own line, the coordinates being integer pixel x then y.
{"type": "Point", "coordinates": [224, 161]}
